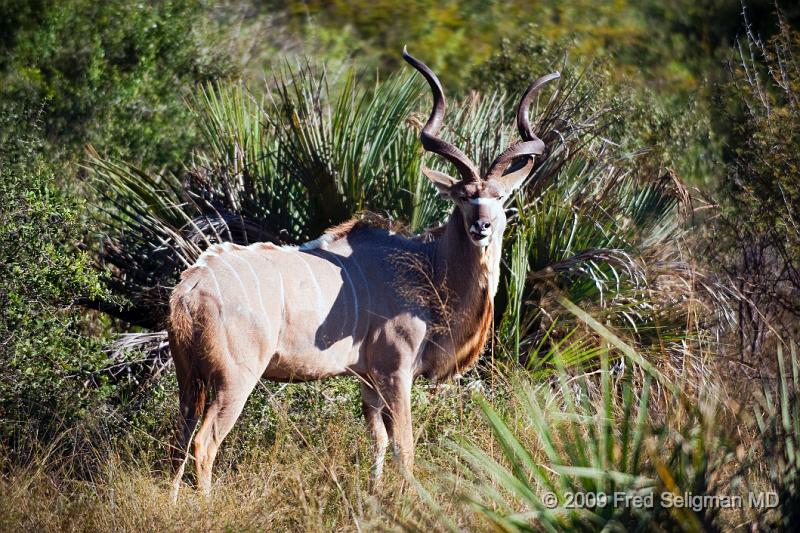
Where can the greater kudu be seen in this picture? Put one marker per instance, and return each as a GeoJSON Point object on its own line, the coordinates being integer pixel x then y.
{"type": "Point", "coordinates": [359, 300]}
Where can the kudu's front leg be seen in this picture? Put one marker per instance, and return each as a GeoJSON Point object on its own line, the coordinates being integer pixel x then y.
{"type": "Point", "coordinates": [397, 395]}
{"type": "Point", "coordinates": [373, 407]}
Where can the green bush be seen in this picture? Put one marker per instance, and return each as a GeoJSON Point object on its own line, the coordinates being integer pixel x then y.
{"type": "Point", "coordinates": [47, 354]}
{"type": "Point", "coordinates": [663, 129]}
{"type": "Point", "coordinates": [111, 74]}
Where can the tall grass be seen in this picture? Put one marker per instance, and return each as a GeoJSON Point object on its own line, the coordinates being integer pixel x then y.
{"type": "Point", "coordinates": [592, 451]}
{"type": "Point", "coordinates": [510, 457]}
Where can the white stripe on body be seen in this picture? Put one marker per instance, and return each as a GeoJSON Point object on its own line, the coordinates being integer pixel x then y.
{"type": "Point", "coordinates": [277, 270]}
{"type": "Point", "coordinates": [352, 291]}
{"type": "Point", "coordinates": [369, 295]}
{"type": "Point", "coordinates": [216, 284]}
{"type": "Point", "coordinates": [283, 298]}
{"type": "Point", "coordinates": [313, 279]}
{"type": "Point", "coordinates": [202, 261]}
{"type": "Point", "coordinates": [239, 279]}
{"type": "Point", "coordinates": [260, 294]}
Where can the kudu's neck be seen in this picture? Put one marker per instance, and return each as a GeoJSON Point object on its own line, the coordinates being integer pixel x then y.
{"type": "Point", "coordinates": [462, 266]}
{"type": "Point", "coordinates": [466, 276]}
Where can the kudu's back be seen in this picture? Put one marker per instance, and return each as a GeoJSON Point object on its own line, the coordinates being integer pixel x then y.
{"type": "Point", "coordinates": [293, 314]}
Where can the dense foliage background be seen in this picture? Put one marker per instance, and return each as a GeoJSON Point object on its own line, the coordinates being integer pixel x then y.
{"type": "Point", "coordinates": [650, 276]}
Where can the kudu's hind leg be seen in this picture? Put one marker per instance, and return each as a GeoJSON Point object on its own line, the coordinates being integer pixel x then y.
{"type": "Point", "coordinates": [231, 393]}
{"type": "Point", "coordinates": [187, 422]}
{"type": "Point", "coordinates": [239, 363]}
{"type": "Point", "coordinates": [192, 398]}
{"type": "Point", "coordinates": [372, 405]}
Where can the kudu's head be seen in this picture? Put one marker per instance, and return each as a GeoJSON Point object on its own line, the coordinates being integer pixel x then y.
{"type": "Point", "coordinates": [480, 198]}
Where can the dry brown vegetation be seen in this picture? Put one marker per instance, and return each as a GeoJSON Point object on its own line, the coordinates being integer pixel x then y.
{"type": "Point", "coordinates": [300, 461]}
{"type": "Point", "coordinates": [302, 473]}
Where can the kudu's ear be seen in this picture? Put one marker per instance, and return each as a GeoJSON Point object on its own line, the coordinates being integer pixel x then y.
{"type": "Point", "coordinates": [513, 178]}
{"type": "Point", "coordinates": [442, 181]}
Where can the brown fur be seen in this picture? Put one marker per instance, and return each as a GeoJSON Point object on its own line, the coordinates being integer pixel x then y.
{"type": "Point", "coordinates": [460, 305]}
{"type": "Point", "coordinates": [191, 385]}
{"type": "Point", "coordinates": [342, 230]}
{"type": "Point", "coordinates": [182, 331]}
{"type": "Point", "coordinates": [469, 351]}
{"type": "Point", "coordinates": [469, 285]}
{"type": "Point", "coordinates": [481, 322]}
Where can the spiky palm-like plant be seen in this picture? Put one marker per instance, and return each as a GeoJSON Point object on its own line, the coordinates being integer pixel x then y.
{"type": "Point", "coordinates": [591, 453]}
{"type": "Point", "coordinates": [778, 421]}
{"type": "Point", "coordinates": [611, 238]}
{"type": "Point", "coordinates": [280, 169]}
{"type": "Point", "coordinates": [285, 167]}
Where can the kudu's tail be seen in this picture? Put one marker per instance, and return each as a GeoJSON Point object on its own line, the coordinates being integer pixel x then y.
{"type": "Point", "coordinates": [182, 339]}
{"type": "Point", "coordinates": [192, 385]}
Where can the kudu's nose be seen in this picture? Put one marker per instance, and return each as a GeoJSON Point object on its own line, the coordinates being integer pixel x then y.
{"type": "Point", "coordinates": [481, 228]}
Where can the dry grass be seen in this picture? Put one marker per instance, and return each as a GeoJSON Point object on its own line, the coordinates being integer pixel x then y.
{"type": "Point", "coordinates": [299, 460]}
{"type": "Point", "coordinates": [307, 473]}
